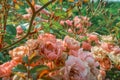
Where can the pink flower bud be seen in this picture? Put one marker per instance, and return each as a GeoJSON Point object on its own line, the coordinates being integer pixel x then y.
{"type": "Point", "coordinates": [19, 29]}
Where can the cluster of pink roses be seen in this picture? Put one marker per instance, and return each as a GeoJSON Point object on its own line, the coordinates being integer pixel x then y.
{"type": "Point", "coordinates": [77, 25]}
{"type": "Point", "coordinates": [80, 64]}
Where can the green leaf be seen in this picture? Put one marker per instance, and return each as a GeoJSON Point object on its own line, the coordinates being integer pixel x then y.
{"type": "Point", "coordinates": [10, 29]}
{"type": "Point", "coordinates": [34, 59]}
{"type": "Point", "coordinates": [39, 68]}
{"type": "Point", "coordinates": [43, 1]}
{"type": "Point", "coordinates": [25, 59]}
{"type": "Point", "coordinates": [20, 68]}
{"type": "Point", "coordinates": [1, 57]}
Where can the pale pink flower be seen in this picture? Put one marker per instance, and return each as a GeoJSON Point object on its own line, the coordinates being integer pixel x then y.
{"type": "Point", "coordinates": [62, 22]}
{"type": "Point", "coordinates": [49, 47]}
{"type": "Point", "coordinates": [106, 46]}
{"type": "Point", "coordinates": [76, 20]}
{"type": "Point", "coordinates": [69, 22]}
{"type": "Point", "coordinates": [36, 8]}
{"type": "Point", "coordinates": [71, 43]}
{"type": "Point", "coordinates": [88, 57]}
{"type": "Point", "coordinates": [26, 16]}
{"type": "Point", "coordinates": [32, 44]}
{"type": "Point", "coordinates": [19, 29]}
{"type": "Point", "coordinates": [70, 30]}
{"type": "Point", "coordinates": [75, 69]}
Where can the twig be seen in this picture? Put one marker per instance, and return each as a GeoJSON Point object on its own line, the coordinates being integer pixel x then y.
{"type": "Point", "coordinates": [32, 7]}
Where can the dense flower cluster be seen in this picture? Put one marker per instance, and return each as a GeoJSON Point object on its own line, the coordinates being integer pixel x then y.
{"type": "Point", "coordinates": [86, 56]}
{"type": "Point", "coordinates": [83, 64]}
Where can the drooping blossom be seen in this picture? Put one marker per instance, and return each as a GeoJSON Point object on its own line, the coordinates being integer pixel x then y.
{"type": "Point", "coordinates": [19, 29]}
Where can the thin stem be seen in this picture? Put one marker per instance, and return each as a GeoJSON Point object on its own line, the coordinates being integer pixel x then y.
{"type": "Point", "coordinates": [32, 7]}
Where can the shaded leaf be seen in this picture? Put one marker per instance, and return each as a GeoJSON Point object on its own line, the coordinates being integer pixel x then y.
{"type": "Point", "coordinates": [20, 68]}
{"type": "Point", "coordinates": [39, 68]}
{"type": "Point", "coordinates": [10, 29]}
{"type": "Point", "coordinates": [25, 59]}
{"type": "Point", "coordinates": [34, 59]}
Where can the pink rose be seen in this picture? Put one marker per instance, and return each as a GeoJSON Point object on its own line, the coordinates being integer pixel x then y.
{"type": "Point", "coordinates": [6, 68]}
{"type": "Point", "coordinates": [92, 37]}
{"type": "Point", "coordinates": [71, 43]}
{"type": "Point", "coordinates": [86, 45]}
{"type": "Point", "coordinates": [76, 20]}
{"type": "Point", "coordinates": [69, 23]}
{"type": "Point", "coordinates": [62, 22]}
{"type": "Point", "coordinates": [106, 46]}
{"type": "Point", "coordinates": [36, 8]}
{"type": "Point", "coordinates": [19, 52]}
{"type": "Point", "coordinates": [70, 30]}
{"type": "Point", "coordinates": [75, 69]}
{"type": "Point", "coordinates": [19, 29]}
{"type": "Point", "coordinates": [49, 47]}
{"type": "Point", "coordinates": [26, 16]}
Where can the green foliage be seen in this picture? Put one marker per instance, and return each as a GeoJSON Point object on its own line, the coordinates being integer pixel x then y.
{"type": "Point", "coordinates": [35, 59]}
{"type": "Point", "coordinates": [39, 68]}
{"type": "Point", "coordinates": [20, 68]}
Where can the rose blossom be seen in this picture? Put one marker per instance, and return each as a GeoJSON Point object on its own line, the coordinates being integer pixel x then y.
{"type": "Point", "coordinates": [19, 52]}
{"type": "Point", "coordinates": [62, 22]}
{"type": "Point", "coordinates": [75, 69]}
{"type": "Point", "coordinates": [32, 44]}
{"type": "Point", "coordinates": [69, 22]}
{"type": "Point", "coordinates": [72, 45]}
{"type": "Point", "coordinates": [76, 20]}
{"type": "Point", "coordinates": [92, 37]}
{"type": "Point", "coordinates": [19, 29]}
{"type": "Point", "coordinates": [26, 16]}
{"type": "Point", "coordinates": [86, 45]}
{"type": "Point", "coordinates": [106, 46]}
{"type": "Point", "coordinates": [36, 8]}
{"type": "Point", "coordinates": [49, 46]}
{"type": "Point", "coordinates": [6, 68]}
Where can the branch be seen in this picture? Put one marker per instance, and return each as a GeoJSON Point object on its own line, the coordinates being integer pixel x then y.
{"type": "Point", "coordinates": [32, 7]}
{"type": "Point", "coordinates": [44, 6]}
{"type": "Point", "coordinates": [30, 26]}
